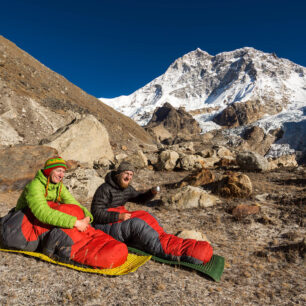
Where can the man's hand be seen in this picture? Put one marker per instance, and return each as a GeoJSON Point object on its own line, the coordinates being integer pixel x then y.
{"type": "Point", "coordinates": [82, 225]}
{"type": "Point", "coordinates": [124, 216]}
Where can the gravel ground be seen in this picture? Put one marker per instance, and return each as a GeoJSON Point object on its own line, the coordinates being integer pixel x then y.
{"type": "Point", "coordinates": [265, 255]}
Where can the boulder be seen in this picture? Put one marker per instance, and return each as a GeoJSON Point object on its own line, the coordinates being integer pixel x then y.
{"type": "Point", "coordinates": [191, 234]}
{"type": "Point", "coordinates": [234, 185]}
{"type": "Point", "coordinates": [243, 210]}
{"type": "Point", "coordinates": [167, 160]}
{"type": "Point", "coordinates": [223, 152]}
{"type": "Point", "coordinates": [84, 140]}
{"type": "Point", "coordinates": [103, 162]}
{"type": "Point", "coordinates": [283, 161]}
{"type": "Point", "coordinates": [190, 197]}
{"type": "Point", "coordinates": [82, 183]}
{"type": "Point", "coordinates": [210, 162]}
{"type": "Point", "coordinates": [138, 160]}
{"type": "Point", "coordinates": [19, 164]}
{"type": "Point", "coordinates": [209, 152]}
{"type": "Point", "coordinates": [183, 147]}
{"type": "Point", "coordinates": [251, 161]}
{"type": "Point", "coordinates": [191, 162]}
{"type": "Point", "coordinates": [120, 157]}
{"type": "Point", "coordinates": [72, 164]}
{"type": "Point", "coordinates": [199, 178]}
{"type": "Point", "coordinates": [227, 162]}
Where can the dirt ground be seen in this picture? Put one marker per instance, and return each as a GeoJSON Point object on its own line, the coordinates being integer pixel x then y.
{"type": "Point", "coordinates": [264, 253]}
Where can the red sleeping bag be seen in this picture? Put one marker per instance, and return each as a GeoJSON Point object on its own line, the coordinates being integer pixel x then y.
{"type": "Point", "coordinates": [21, 230]}
{"type": "Point", "coordinates": [143, 231]}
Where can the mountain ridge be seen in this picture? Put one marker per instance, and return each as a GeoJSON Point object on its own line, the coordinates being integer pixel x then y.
{"type": "Point", "coordinates": [206, 85]}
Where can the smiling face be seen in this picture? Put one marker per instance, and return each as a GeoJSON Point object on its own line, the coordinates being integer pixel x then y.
{"type": "Point", "coordinates": [124, 178]}
{"type": "Point", "coordinates": [57, 175]}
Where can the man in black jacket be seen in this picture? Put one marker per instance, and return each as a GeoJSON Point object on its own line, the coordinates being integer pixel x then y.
{"type": "Point", "coordinates": [139, 228]}
{"type": "Point", "coordinates": [114, 193]}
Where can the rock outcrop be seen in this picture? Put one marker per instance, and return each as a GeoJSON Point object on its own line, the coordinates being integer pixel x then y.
{"type": "Point", "coordinates": [238, 114]}
{"type": "Point", "coordinates": [177, 122]}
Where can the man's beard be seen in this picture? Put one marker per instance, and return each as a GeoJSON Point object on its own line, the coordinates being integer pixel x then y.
{"type": "Point", "coordinates": [123, 184]}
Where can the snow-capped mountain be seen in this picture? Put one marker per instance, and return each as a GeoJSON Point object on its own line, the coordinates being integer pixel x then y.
{"type": "Point", "coordinates": [205, 85]}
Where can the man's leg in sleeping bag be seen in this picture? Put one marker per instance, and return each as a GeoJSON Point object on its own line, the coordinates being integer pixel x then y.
{"type": "Point", "coordinates": [143, 231]}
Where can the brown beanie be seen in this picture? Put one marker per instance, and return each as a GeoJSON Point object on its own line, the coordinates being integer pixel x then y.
{"type": "Point", "coordinates": [125, 166]}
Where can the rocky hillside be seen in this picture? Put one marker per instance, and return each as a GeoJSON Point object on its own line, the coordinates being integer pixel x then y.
{"type": "Point", "coordinates": [231, 89]}
{"type": "Point", "coordinates": [35, 102]}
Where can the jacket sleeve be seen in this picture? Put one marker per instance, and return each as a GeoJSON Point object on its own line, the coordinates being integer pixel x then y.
{"type": "Point", "coordinates": [100, 204]}
{"type": "Point", "coordinates": [34, 194]}
{"type": "Point", "coordinates": [68, 198]}
{"type": "Point", "coordinates": [141, 197]}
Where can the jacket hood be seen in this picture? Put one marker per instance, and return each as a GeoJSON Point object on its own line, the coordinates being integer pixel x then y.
{"type": "Point", "coordinates": [110, 179]}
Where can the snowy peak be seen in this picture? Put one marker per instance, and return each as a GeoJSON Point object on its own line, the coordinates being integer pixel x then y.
{"type": "Point", "coordinates": [206, 85]}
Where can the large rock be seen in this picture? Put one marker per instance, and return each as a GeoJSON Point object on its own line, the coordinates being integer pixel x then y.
{"type": "Point", "coordinates": [251, 161]}
{"type": "Point", "coordinates": [167, 160]}
{"type": "Point", "coordinates": [85, 140]}
{"type": "Point", "coordinates": [183, 147]}
{"type": "Point", "coordinates": [234, 185]}
{"type": "Point", "coordinates": [19, 164]}
{"type": "Point", "coordinates": [190, 197]}
{"type": "Point", "coordinates": [286, 161]}
{"type": "Point", "coordinates": [222, 152]}
{"type": "Point", "coordinates": [138, 160]}
{"type": "Point", "coordinates": [191, 162]}
{"type": "Point", "coordinates": [210, 162]}
{"type": "Point", "coordinates": [207, 152]}
{"type": "Point", "coordinates": [199, 178]}
{"type": "Point", "coordinates": [243, 210]}
{"type": "Point", "coordinates": [82, 183]}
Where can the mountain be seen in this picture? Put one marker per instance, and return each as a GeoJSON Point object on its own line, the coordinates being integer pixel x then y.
{"type": "Point", "coordinates": [245, 83]}
{"type": "Point", "coordinates": [35, 102]}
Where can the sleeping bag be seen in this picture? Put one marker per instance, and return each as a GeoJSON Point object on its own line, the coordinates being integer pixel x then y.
{"type": "Point", "coordinates": [21, 230]}
{"type": "Point", "coordinates": [143, 231]}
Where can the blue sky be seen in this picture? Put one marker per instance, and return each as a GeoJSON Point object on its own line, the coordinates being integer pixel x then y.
{"type": "Point", "coordinates": [113, 47]}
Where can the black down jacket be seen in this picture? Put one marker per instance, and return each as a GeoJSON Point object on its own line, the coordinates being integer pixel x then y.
{"type": "Point", "coordinates": [111, 195]}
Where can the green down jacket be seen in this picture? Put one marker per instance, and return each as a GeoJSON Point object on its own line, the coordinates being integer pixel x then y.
{"type": "Point", "coordinates": [33, 196]}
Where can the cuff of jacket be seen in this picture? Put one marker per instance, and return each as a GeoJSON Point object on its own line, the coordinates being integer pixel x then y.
{"type": "Point", "coordinates": [108, 217]}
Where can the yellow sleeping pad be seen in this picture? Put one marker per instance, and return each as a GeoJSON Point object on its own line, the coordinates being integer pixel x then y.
{"type": "Point", "coordinates": [132, 263]}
